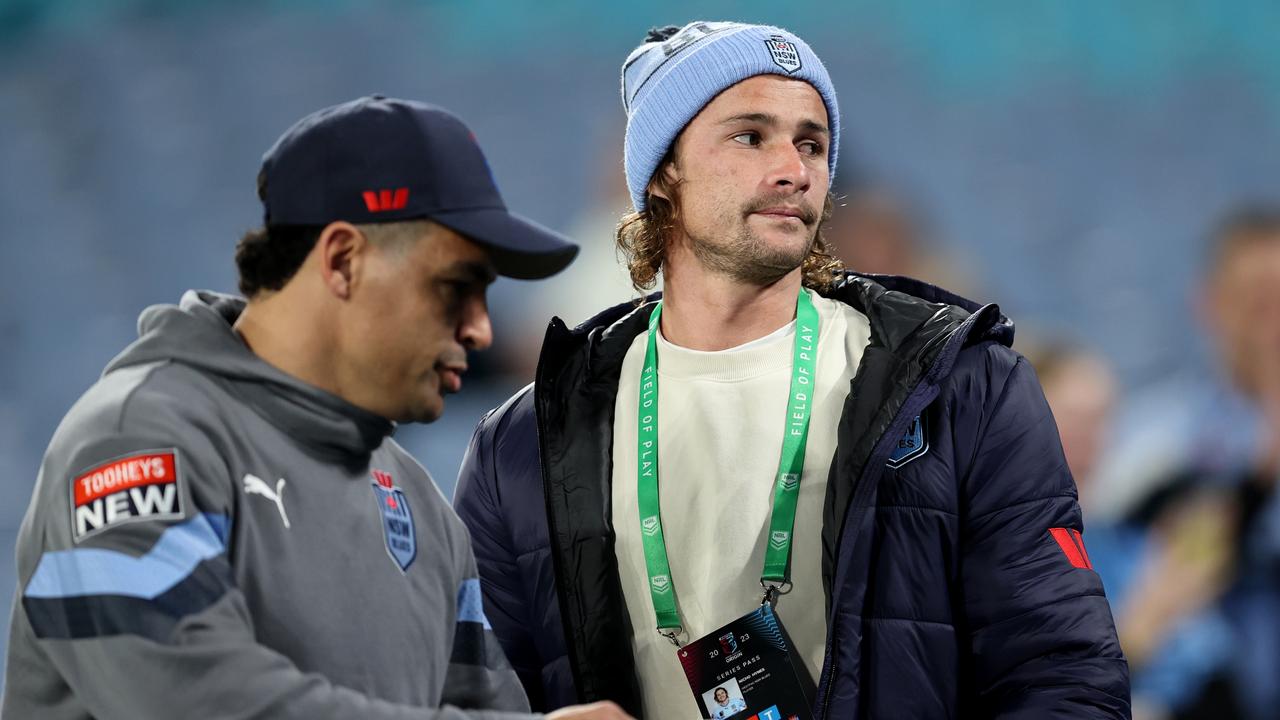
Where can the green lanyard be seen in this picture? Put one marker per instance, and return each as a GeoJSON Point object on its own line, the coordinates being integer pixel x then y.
{"type": "Point", "coordinates": [777, 558]}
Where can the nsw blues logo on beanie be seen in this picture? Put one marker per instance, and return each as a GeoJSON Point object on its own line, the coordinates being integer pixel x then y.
{"type": "Point", "coordinates": [669, 78]}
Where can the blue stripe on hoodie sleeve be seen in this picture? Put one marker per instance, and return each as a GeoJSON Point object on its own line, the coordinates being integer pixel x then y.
{"type": "Point", "coordinates": [471, 603]}
{"type": "Point", "coordinates": [95, 592]}
{"type": "Point", "coordinates": [98, 571]}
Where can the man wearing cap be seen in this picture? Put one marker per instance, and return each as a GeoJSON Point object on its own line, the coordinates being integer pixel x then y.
{"type": "Point", "coordinates": [222, 526]}
{"type": "Point", "coordinates": [900, 501]}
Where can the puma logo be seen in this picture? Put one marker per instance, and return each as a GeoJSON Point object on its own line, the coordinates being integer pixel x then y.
{"type": "Point", "coordinates": [254, 485]}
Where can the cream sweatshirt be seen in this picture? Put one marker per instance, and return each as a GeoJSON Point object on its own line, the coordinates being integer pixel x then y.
{"type": "Point", "coordinates": [720, 429]}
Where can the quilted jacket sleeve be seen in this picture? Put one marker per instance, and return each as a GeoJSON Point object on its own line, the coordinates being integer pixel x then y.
{"type": "Point", "coordinates": [477, 500]}
{"type": "Point", "coordinates": [1042, 641]}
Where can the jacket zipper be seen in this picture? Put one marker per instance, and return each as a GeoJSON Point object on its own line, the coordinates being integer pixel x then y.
{"type": "Point", "coordinates": [879, 456]}
{"type": "Point", "coordinates": [541, 389]}
{"type": "Point", "coordinates": [911, 407]}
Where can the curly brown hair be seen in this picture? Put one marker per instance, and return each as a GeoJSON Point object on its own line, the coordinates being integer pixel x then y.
{"type": "Point", "coordinates": [642, 237]}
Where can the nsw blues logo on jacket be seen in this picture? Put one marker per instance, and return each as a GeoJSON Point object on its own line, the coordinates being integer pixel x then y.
{"type": "Point", "coordinates": [397, 520]}
{"type": "Point", "coordinates": [911, 445]}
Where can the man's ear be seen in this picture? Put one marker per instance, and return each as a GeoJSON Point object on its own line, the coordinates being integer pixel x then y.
{"type": "Point", "coordinates": [342, 250]}
{"type": "Point", "coordinates": [670, 173]}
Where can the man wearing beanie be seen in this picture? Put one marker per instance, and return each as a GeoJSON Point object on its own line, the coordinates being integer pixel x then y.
{"type": "Point", "coordinates": [223, 526]}
{"type": "Point", "coordinates": [839, 495]}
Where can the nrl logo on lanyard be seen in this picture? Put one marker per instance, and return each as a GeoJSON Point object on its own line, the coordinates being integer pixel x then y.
{"type": "Point", "coordinates": [778, 539]}
{"type": "Point", "coordinates": [661, 584]}
{"type": "Point", "coordinates": [397, 520]}
{"type": "Point", "coordinates": [650, 525]}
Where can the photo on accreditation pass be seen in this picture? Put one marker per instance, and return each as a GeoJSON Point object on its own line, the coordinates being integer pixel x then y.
{"type": "Point", "coordinates": [724, 700]}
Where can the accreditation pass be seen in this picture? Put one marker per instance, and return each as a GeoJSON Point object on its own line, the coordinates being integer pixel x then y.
{"type": "Point", "coordinates": [746, 670]}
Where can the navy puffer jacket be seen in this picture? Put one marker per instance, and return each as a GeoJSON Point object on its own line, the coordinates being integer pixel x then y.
{"type": "Point", "coordinates": [956, 586]}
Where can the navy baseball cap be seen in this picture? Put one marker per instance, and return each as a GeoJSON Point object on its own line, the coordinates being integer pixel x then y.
{"type": "Point", "coordinates": [380, 159]}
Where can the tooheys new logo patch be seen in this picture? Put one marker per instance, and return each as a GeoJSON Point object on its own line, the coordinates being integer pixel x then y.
{"type": "Point", "coordinates": [140, 486]}
{"type": "Point", "coordinates": [397, 520]}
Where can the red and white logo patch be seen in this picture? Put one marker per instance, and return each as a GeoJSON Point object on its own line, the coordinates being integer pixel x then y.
{"type": "Point", "coordinates": [141, 486]}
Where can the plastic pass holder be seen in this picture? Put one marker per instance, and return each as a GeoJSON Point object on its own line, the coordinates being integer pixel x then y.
{"type": "Point", "coordinates": [747, 670]}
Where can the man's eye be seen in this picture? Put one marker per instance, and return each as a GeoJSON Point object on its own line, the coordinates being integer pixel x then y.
{"type": "Point", "coordinates": [747, 138]}
{"type": "Point", "coordinates": [811, 148]}
{"type": "Point", "coordinates": [454, 291]}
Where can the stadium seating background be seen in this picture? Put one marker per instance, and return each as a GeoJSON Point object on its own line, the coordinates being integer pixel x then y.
{"type": "Point", "coordinates": [1069, 155]}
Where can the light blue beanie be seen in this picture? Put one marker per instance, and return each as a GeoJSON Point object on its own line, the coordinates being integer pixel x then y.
{"type": "Point", "coordinates": [665, 83]}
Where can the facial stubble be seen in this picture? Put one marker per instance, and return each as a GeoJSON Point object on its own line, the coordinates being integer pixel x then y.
{"type": "Point", "coordinates": [748, 258]}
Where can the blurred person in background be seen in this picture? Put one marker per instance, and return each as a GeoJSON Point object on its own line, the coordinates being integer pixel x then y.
{"type": "Point", "coordinates": [222, 526]}
{"type": "Point", "coordinates": [1234, 509]}
{"type": "Point", "coordinates": [1081, 390]}
{"type": "Point", "coordinates": [1162, 574]}
{"type": "Point", "coordinates": [1200, 591]}
{"type": "Point", "coordinates": [925, 580]}
{"type": "Point", "coordinates": [595, 279]}
{"type": "Point", "coordinates": [875, 230]}
{"type": "Point", "coordinates": [1210, 422]}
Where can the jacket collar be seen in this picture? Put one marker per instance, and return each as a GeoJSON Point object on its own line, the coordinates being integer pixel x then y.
{"type": "Point", "coordinates": [906, 316]}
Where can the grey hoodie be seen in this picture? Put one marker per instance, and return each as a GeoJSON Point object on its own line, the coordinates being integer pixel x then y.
{"type": "Point", "coordinates": [211, 538]}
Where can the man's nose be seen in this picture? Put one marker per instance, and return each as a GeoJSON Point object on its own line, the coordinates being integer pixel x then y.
{"type": "Point", "coordinates": [788, 169]}
{"type": "Point", "coordinates": [475, 332]}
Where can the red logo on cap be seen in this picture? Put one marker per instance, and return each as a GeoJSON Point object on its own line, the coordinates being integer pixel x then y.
{"type": "Point", "coordinates": [382, 200]}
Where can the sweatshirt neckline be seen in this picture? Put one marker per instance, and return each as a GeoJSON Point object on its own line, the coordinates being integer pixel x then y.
{"type": "Point", "coordinates": [762, 356]}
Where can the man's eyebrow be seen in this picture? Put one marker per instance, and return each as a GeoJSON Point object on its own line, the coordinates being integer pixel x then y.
{"type": "Point", "coordinates": [762, 118]}
{"type": "Point", "coordinates": [815, 127]}
{"type": "Point", "coordinates": [772, 120]}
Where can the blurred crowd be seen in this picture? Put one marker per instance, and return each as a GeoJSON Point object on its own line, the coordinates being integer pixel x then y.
{"type": "Point", "coordinates": [1187, 539]}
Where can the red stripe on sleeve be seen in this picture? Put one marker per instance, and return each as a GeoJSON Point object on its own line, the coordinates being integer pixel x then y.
{"type": "Point", "coordinates": [1068, 545]}
{"type": "Point", "coordinates": [1083, 553]}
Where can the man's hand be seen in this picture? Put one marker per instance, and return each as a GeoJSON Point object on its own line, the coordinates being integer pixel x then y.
{"type": "Point", "coordinates": [1186, 569]}
{"type": "Point", "coordinates": [595, 711]}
